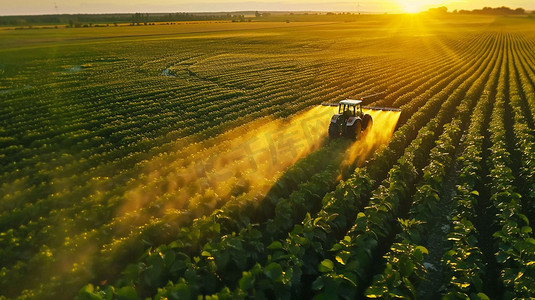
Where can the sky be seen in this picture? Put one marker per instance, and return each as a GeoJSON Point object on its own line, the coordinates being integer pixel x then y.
{"type": "Point", "coordinates": [20, 7]}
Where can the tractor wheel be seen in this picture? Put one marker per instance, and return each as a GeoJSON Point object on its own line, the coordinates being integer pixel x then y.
{"type": "Point", "coordinates": [367, 122]}
{"type": "Point", "coordinates": [353, 132]}
{"type": "Point", "coordinates": [334, 132]}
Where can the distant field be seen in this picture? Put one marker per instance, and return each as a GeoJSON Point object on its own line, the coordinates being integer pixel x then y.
{"type": "Point", "coordinates": [94, 35]}
{"type": "Point", "coordinates": [172, 161]}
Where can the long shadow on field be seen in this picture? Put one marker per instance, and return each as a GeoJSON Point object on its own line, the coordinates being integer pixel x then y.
{"type": "Point", "coordinates": [300, 189]}
{"type": "Point", "coordinates": [305, 183]}
{"type": "Point", "coordinates": [296, 192]}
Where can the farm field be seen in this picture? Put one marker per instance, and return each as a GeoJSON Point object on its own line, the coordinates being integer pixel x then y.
{"type": "Point", "coordinates": [177, 161]}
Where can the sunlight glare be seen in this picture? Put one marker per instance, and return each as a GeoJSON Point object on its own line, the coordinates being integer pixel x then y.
{"type": "Point", "coordinates": [412, 6]}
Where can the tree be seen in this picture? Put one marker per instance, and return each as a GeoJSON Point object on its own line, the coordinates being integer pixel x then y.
{"type": "Point", "coordinates": [520, 11]}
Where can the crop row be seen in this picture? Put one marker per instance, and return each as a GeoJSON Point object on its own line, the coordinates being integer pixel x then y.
{"type": "Point", "coordinates": [375, 226]}
{"type": "Point", "coordinates": [275, 246]}
{"type": "Point", "coordinates": [119, 141]}
{"type": "Point", "coordinates": [60, 202]}
{"type": "Point", "coordinates": [404, 266]}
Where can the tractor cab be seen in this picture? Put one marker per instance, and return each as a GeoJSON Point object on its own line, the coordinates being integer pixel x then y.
{"type": "Point", "coordinates": [350, 107]}
{"type": "Point", "coordinates": [350, 121]}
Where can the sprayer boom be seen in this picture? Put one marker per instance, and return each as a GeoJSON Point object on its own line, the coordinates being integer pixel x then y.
{"type": "Point", "coordinates": [381, 108]}
{"type": "Point", "coordinates": [367, 107]}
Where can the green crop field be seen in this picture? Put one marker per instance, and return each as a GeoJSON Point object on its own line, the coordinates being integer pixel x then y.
{"type": "Point", "coordinates": [192, 160]}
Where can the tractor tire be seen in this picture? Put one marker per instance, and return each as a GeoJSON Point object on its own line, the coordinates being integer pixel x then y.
{"type": "Point", "coordinates": [367, 122]}
{"type": "Point", "coordinates": [354, 132]}
{"type": "Point", "coordinates": [334, 131]}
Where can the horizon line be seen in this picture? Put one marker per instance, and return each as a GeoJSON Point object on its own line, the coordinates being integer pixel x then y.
{"type": "Point", "coordinates": [233, 11]}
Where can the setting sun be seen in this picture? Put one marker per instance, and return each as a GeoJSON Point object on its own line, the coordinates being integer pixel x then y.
{"type": "Point", "coordinates": [412, 7]}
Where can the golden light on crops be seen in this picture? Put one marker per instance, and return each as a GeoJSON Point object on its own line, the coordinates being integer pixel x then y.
{"type": "Point", "coordinates": [384, 124]}
{"type": "Point", "coordinates": [248, 160]}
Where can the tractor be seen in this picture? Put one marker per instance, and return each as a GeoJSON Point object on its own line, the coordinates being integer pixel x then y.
{"type": "Point", "coordinates": [350, 121]}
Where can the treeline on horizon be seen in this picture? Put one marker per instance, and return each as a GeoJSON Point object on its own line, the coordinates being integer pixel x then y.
{"type": "Point", "coordinates": [85, 20]}
{"type": "Point", "coordinates": [76, 20]}
{"type": "Point", "coordinates": [504, 10]}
